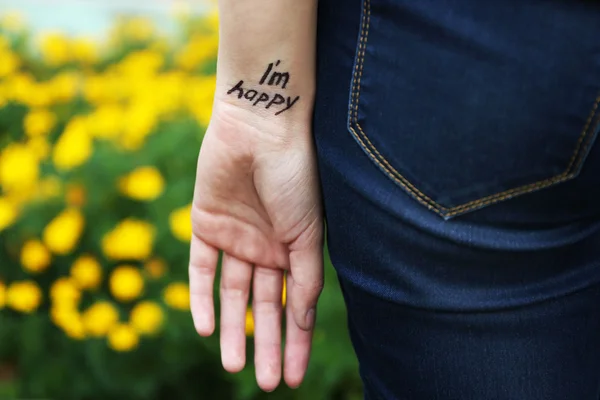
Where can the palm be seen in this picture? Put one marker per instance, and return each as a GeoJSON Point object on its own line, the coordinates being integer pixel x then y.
{"type": "Point", "coordinates": [258, 201]}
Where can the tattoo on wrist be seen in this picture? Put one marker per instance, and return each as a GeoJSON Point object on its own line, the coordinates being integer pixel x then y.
{"type": "Point", "coordinates": [275, 101]}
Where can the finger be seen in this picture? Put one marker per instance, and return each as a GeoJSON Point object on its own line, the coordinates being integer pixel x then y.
{"type": "Point", "coordinates": [266, 307]}
{"type": "Point", "coordinates": [306, 269]}
{"type": "Point", "coordinates": [236, 276]}
{"type": "Point", "coordinates": [297, 348]}
{"type": "Point", "coordinates": [203, 263]}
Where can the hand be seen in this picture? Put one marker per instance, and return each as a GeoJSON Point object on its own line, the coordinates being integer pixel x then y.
{"type": "Point", "coordinates": [257, 199]}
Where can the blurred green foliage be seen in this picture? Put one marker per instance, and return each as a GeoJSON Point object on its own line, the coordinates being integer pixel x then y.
{"type": "Point", "coordinates": [92, 135]}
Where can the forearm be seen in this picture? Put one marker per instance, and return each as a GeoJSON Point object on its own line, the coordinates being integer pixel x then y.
{"type": "Point", "coordinates": [266, 61]}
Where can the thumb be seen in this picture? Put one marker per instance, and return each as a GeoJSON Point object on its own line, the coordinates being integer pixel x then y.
{"type": "Point", "coordinates": [305, 282]}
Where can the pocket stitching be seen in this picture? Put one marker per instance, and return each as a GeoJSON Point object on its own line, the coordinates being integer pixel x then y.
{"type": "Point", "coordinates": [570, 172]}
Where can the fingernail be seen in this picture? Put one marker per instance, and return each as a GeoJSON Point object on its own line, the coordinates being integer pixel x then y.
{"type": "Point", "coordinates": [309, 319]}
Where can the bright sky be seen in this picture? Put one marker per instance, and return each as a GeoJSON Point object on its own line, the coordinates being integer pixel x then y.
{"type": "Point", "coordinates": [93, 17]}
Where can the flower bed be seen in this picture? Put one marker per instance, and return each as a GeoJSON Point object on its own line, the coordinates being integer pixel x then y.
{"type": "Point", "coordinates": [98, 144]}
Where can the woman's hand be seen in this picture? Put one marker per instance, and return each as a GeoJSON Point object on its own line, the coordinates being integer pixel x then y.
{"type": "Point", "coordinates": [257, 199]}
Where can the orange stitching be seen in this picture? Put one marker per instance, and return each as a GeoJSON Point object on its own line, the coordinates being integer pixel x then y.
{"type": "Point", "coordinates": [532, 187]}
{"type": "Point", "coordinates": [568, 174]}
{"type": "Point", "coordinates": [583, 133]}
{"type": "Point", "coordinates": [586, 149]}
{"type": "Point", "coordinates": [421, 197]}
{"type": "Point", "coordinates": [378, 158]}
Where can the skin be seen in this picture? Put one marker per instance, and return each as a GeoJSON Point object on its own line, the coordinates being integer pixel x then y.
{"type": "Point", "coordinates": [257, 195]}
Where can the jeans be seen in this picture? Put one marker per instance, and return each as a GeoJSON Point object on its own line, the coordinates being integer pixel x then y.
{"type": "Point", "coordinates": [544, 351]}
{"type": "Point", "coordinates": [460, 170]}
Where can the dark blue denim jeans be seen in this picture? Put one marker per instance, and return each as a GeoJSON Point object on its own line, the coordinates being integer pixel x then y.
{"type": "Point", "coordinates": [461, 179]}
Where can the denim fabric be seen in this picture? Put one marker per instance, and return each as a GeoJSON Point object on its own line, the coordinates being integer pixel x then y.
{"type": "Point", "coordinates": [543, 351]}
{"type": "Point", "coordinates": [461, 177]}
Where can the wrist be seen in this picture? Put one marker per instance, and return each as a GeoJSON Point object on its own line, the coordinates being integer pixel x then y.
{"type": "Point", "coordinates": [270, 90]}
{"type": "Point", "coordinates": [259, 127]}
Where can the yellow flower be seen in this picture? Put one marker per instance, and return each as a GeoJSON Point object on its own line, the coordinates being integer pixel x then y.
{"type": "Point", "coordinates": [147, 317]}
{"type": "Point", "coordinates": [2, 295]}
{"type": "Point", "coordinates": [35, 257]}
{"type": "Point", "coordinates": [284, 292]}
{"type": "Point", "coordinates": [106, 122]}
{"type": "Point", "coordinates": [84, 50]}
{"type": "Point", "coordinates": [100, 318]}
{"type": "Point", "coordinates": [141, 118]}
{"type": "Point", "coordinates": [60, 314]}
{"type": "Point", "coordinates": [177, 296]}
{"type": "Point", "coordinates": [55, 49]}
{"type": "Point", "coordinates": [199, 98]}
{"type": "Point", "coordinates": [63, 87]}
{"type": "Point", "coordinates": [87, 272]}
{"type": "Point", "coordinates": [94, 88]}
{"type": "Point", "coordinates": [63, 232]}
{"type": "Point", "coordinates": [172, 87]}
{"type": "Point", "coordinates": [181, 223]}
{"type": "Point", "coordinates": [8, 213]}
{"type": "Point", "coordinates": [39, 122]}
{"type": "Point", "coordinates": [18, 167]}
{"type": "Point", "coordinates": [107, 87]}
{"type": "Point", "coordinates": [123, 337]}
{"type": "Point", "coordinates": [249, 322]}
{"type": "Point", "coordinates": [130, 240]}
{"type": "Point", "coordinates": [24, 296]}
{"type": "Point", "coordinates": [39, 146]}
{"type": "Point", "coordinates": [41, 96]}
{"type": "Point", "coordinates": [10, 63]}
{"type": "Point", "coordinates": [143, 62]}
{"type": "Point", "coordinates": [12, 21]}
{"type": "Point", "coordinates": [21, 87]}
{"type": "Point", "coordinates": [74, 328]}
{"type": "Point", "coordinates": [65, 293]}
{"type": "Point", "coordinates": [143, 183]}
{"type": "Point", "coordinates": [19, 198]}
{"type": "Point", "coordinates": [69, 320]}
{"type": "Point", "coordinates": [126, 283]}
{"type": "Point", "coordinates": [74, 146]}
{"type": "Point", "coordinates": [155, 268]}
{"type": "Point", "coordinates": [200, 49]}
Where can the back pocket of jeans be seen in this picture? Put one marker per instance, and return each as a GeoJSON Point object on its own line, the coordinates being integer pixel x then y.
{"type": "Point", "coordinates": [461, 122]}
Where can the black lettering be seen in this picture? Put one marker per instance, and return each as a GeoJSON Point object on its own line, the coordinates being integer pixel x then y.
{"type": "Point", "coordinates": [262, 97]}
{"type": "Point", "coordinates": [277, 99]}
{"type": "Point", "coordinates": [278, 77]}
{"type": "Point", "coordinates": [249, 96]}
{"type": "Point", "coordinates": [266, 74]}
{"type": "Point", "coordinates": [270, 77]}
{"type": "Point", "coordinates": [290, 104]}
{"type": "Point", "coordinates": [239, 88]}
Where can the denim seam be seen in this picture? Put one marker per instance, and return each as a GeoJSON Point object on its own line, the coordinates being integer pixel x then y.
{"type": "Point", "coordinates": [585, 138]}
